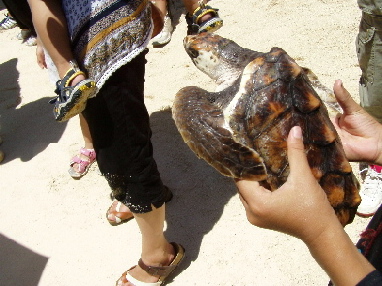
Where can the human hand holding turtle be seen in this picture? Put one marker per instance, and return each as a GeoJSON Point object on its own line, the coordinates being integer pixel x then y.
{"type": "Point", "coordinates": [300, 208]}
{"type": "Point", "coordinates": [360, 133]}
{"type": "Point", "coordinates": [361, 136]}
{"type": "Point", "coordinates": [292, 208]}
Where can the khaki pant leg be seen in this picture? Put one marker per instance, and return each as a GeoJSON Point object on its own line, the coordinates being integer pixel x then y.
{"type": "Point", "coordinates": [369, 51]}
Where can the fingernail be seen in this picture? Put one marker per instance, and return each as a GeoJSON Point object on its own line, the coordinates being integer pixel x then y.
{"type": "Point", "coordinates": [296, 132]}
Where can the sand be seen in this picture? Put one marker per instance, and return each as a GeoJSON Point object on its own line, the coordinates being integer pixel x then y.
{"type": "Point", "coordinates": [53, 229]}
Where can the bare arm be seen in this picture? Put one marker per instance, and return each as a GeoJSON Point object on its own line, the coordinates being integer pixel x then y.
{"type": "Point", "coordinates": [51, 27]}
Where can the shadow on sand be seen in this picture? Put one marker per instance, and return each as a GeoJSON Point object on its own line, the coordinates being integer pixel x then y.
{"type": "Point", "coordinates": [200, 192]}
{"type": "Point", "coordinates": [26, 130]}
{"type": "Point", "coordinates": [19, 265]}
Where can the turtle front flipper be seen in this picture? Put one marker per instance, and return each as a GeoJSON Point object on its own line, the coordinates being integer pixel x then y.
{"type": "Point", "coordinates": [201, 125]}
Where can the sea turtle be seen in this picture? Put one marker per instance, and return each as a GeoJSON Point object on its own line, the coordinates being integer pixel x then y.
{"type": "Point", "coordinates": [241, 128]}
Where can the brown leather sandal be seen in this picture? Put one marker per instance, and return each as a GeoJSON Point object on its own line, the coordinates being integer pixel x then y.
{"type": "Point", "coordinates": [163, 271]}
{"type": "Point", "coordinates": [119, 217]}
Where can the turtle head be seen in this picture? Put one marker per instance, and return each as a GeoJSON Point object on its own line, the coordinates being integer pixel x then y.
{"type": "Point", "coordinates": [220, 58]}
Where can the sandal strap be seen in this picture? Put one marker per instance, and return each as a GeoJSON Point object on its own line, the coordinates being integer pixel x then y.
{"type": "Point", "coordinates": [193, 19]}
{"type": "Point", "coordinates": [77, 160]}
{"type": "Point", "coordinates": [8, 23]}
{"type": "Point", "coordinates": [200, 12]}
{"type": "Point", "coordinates": [90, 153]}
{"type": "Point", "coordinates": [117, 211]}
{"type": "Point", "coordinates": [66, 80]}
{"type": "Point", "coordinates": [156, 270]}
{"type": "Point", "coordinates": [118, 215]}
{"type": "Point", "coordinates": [64, 83]}
{"type": "Point", "coordinates": [126, 276]}
{"type": "Point", "coordinates": [82, 164]}
{"type": "Point", "coordinates": [164, 271]}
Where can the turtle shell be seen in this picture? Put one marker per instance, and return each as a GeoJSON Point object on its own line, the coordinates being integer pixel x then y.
{"type": "Point", "coordinates": [242, 130]}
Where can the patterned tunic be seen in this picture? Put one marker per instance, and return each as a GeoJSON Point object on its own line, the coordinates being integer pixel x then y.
{"type": "Point", "coordinates": [107, 34]}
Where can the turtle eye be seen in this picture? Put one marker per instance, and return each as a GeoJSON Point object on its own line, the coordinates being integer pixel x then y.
{"type": "Point", "coordinates": [192, 53]}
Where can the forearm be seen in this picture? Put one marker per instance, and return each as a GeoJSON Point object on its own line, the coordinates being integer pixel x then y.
{"type": "Point", "coordinates": [51, 27]}
{"type": "Point", "coordinates": [339, 257]}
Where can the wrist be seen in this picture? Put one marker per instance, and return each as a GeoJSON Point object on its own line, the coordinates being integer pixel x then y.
{"type": "Point", "coordinates": [378, 160]}
{"type": "Point", "coordinates": [336, 254]}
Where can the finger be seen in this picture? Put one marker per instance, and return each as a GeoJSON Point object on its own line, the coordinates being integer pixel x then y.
{"type": "Point", "coordinates": [335, 120]}
{"type": "Point", "coordinates": [251, 191]}
{"type": "Point", "coordinates": [296, 152]}
{"type": "Point", "coordinates": [255, 199]}
{"type": "Point", "coordinates": [246, 187]}
{"type": "Point", "coordinates": [344, 98]}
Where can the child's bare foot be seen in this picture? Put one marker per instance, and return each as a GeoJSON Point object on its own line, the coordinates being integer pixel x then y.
{"type": "Point", "coordinates": [203, 19]}
{"type": "Point", "coordinates": [73, 92]}
{"type": "Point", "coordinates": [77, 79]}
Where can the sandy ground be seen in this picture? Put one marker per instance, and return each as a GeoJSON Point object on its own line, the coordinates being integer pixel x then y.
{"type": "Point", "coordinates": [53, 229]}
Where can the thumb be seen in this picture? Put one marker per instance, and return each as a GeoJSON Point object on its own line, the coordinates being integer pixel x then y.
{"type": "Point", "coordinates": [344, 98]}
{"type": "Point", "coordinates": [296, 152]}
{"type": "Point", "coordinates": [251, 190]}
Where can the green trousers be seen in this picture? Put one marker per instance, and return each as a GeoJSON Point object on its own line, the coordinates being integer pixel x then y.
{"type": "Point", "coordinates": [369, 51]}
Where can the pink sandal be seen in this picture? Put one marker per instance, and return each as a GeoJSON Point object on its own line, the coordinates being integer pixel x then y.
{"type": "Point", "coordinates": [83, 165]}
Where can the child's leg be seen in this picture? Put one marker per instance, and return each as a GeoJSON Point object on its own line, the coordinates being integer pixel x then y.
{"type": "Point", "coordinates": [156, 251]}
{"type": "Point", "coordinates": [81, 163]}
{"type": "Point", "coordinates": [162, 6]}
{"type": "Point", "coordinates": [88, 141]}
{"type": "Point", "coordinates": [165, 34]}
{"type": "Point", "coordinates": [191, 5]}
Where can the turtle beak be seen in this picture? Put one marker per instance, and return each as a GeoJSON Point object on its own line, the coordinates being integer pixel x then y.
{"type": "Point", "coordinates": [188, 43]}
{"type": "Point", "coordinates": [192, 53]}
